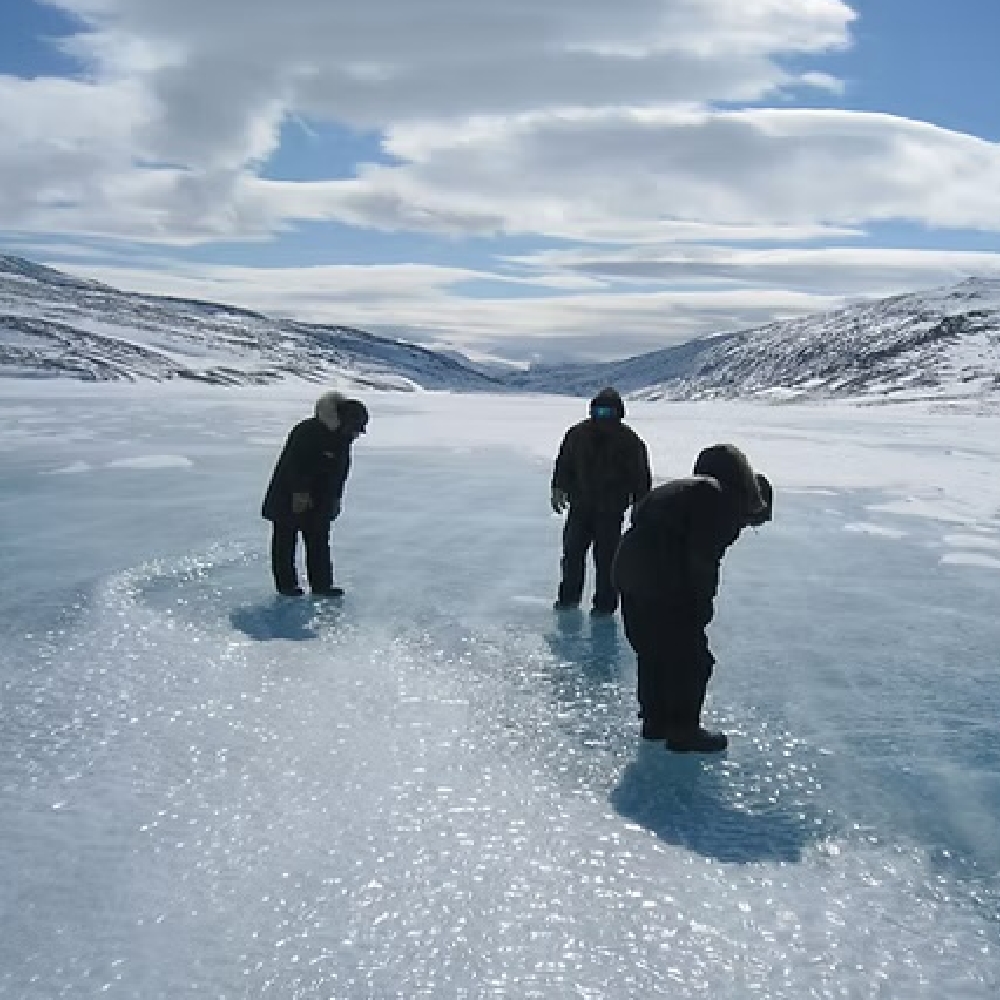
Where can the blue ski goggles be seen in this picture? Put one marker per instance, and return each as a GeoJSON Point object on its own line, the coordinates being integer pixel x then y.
{"type": "Point", "coordinates": [602, 411]}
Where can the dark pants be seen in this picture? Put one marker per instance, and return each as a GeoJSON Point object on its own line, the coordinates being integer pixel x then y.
{"type": "Point", "coordinates": [584, 528]}
{"type": "Point", "coordinates": [674, 662]}
{"type": "Point", "coordinates": [315, 532]}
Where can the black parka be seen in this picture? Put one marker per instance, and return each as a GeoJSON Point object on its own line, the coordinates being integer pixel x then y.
{"type": "Point", "coordinates": [672, 552]}
{"type": "Point", "coordinates": [602, 465]}
{"type": "Point", "coordinates": [314, 460]}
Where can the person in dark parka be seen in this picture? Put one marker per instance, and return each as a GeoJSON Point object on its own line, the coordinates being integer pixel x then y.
{"type": "Point", "coordinates": [601, 470]}
{"type": "Point", "coordinates": [306, 489]}
{"type": "Point", "coordinates": [667, 569]}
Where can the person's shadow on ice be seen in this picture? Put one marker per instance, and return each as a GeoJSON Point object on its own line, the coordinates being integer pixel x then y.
{"type": "Point", "coordinates": [687, 800]}
{"type": "Point", "coordinates": [279, 618]}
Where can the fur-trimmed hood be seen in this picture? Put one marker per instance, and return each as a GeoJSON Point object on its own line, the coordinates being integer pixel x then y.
{"type": "Point", "coordinates": [328, 406]}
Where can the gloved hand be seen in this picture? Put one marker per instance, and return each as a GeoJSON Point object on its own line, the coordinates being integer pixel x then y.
{"type": "Point", "coordinates": [560, 500]}
{"type": "Point", "coordinates": [301, 502]}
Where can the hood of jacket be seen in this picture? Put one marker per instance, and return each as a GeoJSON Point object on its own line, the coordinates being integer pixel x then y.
{"type": "Point", "coordinates": [609, 396]}
{"type": "Point", "coordinates": [327, 408]}
{"type": "Point", "coordinates": [726, 464]}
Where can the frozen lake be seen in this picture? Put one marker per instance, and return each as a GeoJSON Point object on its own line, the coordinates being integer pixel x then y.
{"type": "Point", "coordinates": [435, 786]}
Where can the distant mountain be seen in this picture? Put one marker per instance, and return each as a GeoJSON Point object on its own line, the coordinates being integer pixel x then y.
{"type": "Point", "coordinates": [942, 344]}
{"type": "Point", "coordinates": [55, 325]}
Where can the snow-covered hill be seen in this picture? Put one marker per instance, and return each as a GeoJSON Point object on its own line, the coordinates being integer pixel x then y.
{"type": "Point", "coordinates": [940, 344]}
{"type": "Point", "coordinates": [52, 324]}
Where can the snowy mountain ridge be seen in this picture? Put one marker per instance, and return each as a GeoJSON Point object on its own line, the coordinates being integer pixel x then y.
{"type": "Point", "coordinates": [56, 325]}
{"type": "Point", "coordinates": [939, 344]}
{"type": "Point", "coordinates": [942, 344]}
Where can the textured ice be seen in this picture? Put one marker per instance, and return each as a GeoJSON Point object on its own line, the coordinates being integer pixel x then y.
{"type": "Point", "coordinates": [435, 787]}
{"type": "Point", "coordinates": [151, 462]}
{"type": "Point", "coordinates": [866, 527]}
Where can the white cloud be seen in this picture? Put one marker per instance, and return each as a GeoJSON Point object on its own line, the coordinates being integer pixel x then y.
{"type": "Point", "coordinates": [823, 81]}
{"type": "Point", "coordinates": [71, 161]}
{"type": "Point", "coordinates": [613, 175]}
{"type": "Point", "coordinates": [382, 61]}
{"type": "Point", "coordinates": [62, 142]}
{"type": "Point", "coordinates": [561, 119]}
{"type": "Point", "coordinates": [827, 270]}
{"type": "Point", "coordinates": [210, 83]}
{"type": "Point", "coordinates": [622, 175]}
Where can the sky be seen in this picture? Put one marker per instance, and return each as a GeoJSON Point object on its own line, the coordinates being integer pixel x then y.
{"type": "Point", "coordinates": [436, 786]}
{"type": "Point", "coordinates": [514, 180]}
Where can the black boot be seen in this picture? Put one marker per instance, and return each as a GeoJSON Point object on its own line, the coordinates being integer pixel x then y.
{"type": "Point", "coordinates": [696, 740]}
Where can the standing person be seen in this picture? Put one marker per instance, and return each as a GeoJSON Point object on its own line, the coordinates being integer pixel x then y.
{"type": "Point", "coordinates": [305, 492]}
{"type": "Point", "coordinates": [667, 569]}
{"type": "Point", "coordinates": [601, 470]}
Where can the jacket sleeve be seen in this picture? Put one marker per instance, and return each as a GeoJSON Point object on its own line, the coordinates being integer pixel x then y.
{"type": "Point", "coordinates": [564, 472]}
{"type": "Point", "coordinates": [705, 545]}
{"type": "Point", "coordinates": [644, 475]}
{"type": "Point", "coordinates": [338, 479]}
{"type": "Point", "coordinates": [301, 456]}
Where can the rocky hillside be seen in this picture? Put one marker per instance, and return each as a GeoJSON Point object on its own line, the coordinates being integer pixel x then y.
{"type": "Point", "coordinates": [944, 343]}
{"type": "Point", "coordinates": [52, 324]}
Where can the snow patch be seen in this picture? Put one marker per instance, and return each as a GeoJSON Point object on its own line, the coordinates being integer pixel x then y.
{"type": "Point", "coordinates": [972, 542]}
{"type": "Point", "coordinates": [152, 462]}
{"type": "Point", "coordinates": [979, 559]}
{"type": "Point", "coordinates": [868, 528]}
{"type": "Point", "coordinates": [74, 468]}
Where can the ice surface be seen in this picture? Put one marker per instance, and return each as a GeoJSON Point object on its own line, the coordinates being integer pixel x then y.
{"type": "Point", "coordinates": [435, 786]}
